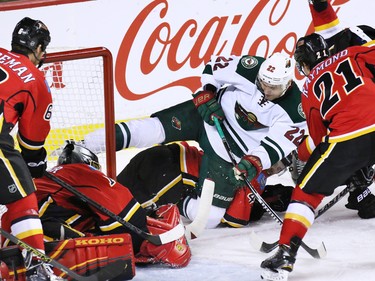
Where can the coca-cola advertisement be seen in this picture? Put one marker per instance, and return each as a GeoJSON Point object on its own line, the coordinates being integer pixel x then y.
{"type": "Point", "coordinates": [160, 47]}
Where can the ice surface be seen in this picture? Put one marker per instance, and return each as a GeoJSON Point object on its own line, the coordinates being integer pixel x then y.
{"type": "Point", "coordinates": [226, 254]}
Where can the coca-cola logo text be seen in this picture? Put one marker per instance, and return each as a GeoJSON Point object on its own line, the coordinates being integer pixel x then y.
{"type": "Point", "coordinates": [169, 44]}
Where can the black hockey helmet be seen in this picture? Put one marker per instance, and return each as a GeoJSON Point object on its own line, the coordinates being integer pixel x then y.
{"type": "Point", "coordinates": [30, 34]}
{"type": "Point", "coordinates": [77, 153]}
{"type": "Point", "coordinates": [310, 50]}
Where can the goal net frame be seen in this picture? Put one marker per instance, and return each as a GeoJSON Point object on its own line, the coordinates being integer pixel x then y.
{"type": "Point", "coordinates": [108, 87]}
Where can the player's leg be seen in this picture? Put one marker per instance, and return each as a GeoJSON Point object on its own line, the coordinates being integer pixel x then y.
{"type": "Point", "coordinates": [162, 174]}
{"type": "Point", "coordinates": [315, 182]}
{"type": "Point", "coordinates": [179, 122]}
{"type": "Point", "coordinates": [215, 168]}
{"type": "Point", "coordinates": [17, 192]}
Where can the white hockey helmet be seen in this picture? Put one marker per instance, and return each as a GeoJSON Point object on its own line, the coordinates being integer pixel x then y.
{"type": "Point", "coordinates": [277, 70]}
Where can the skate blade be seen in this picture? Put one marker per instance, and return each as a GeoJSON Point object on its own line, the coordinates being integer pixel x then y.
{"type": "Point", "coordinates": [277, 275]}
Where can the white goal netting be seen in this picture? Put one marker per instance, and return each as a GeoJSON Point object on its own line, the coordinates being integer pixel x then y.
{"type": "Point", "coordinates": [81, 84]}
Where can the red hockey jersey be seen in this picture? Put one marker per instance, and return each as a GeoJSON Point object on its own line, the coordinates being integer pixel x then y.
{"type": "Point", "coordinates": [338, 98]}
{"type": "Point", "coordinates": [57, 202]}
{"type": "Point", "coordinates": [24, 98]}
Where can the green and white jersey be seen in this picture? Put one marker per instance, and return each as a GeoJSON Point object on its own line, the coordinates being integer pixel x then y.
{"type": "Point", "coordinates": [253, 125]}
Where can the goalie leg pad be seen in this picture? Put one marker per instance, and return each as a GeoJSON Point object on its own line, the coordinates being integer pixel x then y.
{"type": "Point", "coordinates": [14, 262]}
{"type": "Point", "coordinates": [175, 254]}
{"type": "Point", "coordinates": [85, 255]}
{"type": "Point", "coordinates": [4, 271]}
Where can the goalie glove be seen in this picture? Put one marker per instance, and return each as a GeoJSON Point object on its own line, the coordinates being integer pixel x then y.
{"type": "Point", "coordinates": [249, 167]}
{"type": "Point", "coordinates": [36, 161]}
{"type": "Point", "coordinates": [207, 106]}
{"type": "Point", "coordinates": [176, 253]}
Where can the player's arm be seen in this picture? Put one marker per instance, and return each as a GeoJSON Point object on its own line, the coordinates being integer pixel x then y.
{"type": "Point", "coordinates": [283, 137]}
{"type": "Point", "coordinates": [34, 126]}
{"type": "Point", "coordinates": [239, 71]}
{"type": "Point", "coordinates": [317, 130]}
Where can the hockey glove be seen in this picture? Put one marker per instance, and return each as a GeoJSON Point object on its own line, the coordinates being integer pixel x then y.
{"type": "Point", "coordinates": [249, 167]}
{"type": "Point", "coordinates": [362, 178]}
{"type": "Point", "coordinates": [36, 161]}
{"type": "Point", "coordinates": [207, 106]}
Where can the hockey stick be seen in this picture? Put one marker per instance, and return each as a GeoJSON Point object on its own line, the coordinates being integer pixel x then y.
{"type": "Point", "coordinates": [315, 253]}
{"type": "Point", "coordinates": [269, 247]}
{"type": "Point", "coordinates": [107, 273]}
{"type": "Point", "coordinates": [169, 236]}
{"type": "Point", "coordinates": [194, 229]}
{"type": "Point", "coordinates": [334, 200]}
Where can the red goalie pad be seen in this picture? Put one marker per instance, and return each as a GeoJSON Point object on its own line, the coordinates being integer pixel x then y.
{"type": "Point", "coordinates": [85, 255]}
{"type": "Point", "coordinates": [4, 272]}
{"type": "Point", "coordinates": [175, 254]}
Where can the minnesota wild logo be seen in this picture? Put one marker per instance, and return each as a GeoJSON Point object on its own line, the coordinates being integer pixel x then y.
{"type": "Point", "coordinates": [249, 62]}
{"type": "Point", "coordinates": [247, 120]}
{"type": "Point", "coordinates": [176, 123]}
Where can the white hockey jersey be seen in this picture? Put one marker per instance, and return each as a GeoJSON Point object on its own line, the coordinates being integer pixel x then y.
{"type": "Point", "coordinates": [269, 130]}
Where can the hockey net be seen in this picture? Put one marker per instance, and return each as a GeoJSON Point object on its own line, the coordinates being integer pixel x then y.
{"type": "Point", "coordinates": [81, 83]}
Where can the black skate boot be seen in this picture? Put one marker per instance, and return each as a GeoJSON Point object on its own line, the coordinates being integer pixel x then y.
{"type": "Point", "coordinates": [278, 266]}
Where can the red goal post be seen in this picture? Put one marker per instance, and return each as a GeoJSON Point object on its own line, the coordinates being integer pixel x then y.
{"type": "Point", "coordinates": [82, 88]}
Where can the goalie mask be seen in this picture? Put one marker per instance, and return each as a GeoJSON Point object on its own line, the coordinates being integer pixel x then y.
{"type": "Point", "coordinates": [276, 74]}
{"type": "Point", "coordinates": [30, 34]}
{"type": "Point", "coordinates": [310, 50]}
{"type": "Point", "coordinates": [75, 153]}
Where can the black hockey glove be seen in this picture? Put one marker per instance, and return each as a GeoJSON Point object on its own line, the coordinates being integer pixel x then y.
{"type": "Point", "coordinates": [362, 178]}
{"type": "Point", "coordinates": [36, 161]}
{"type": "Point", "coordinates": [360, 196]}
{"type": "Point", "coordinates": [277, 197]}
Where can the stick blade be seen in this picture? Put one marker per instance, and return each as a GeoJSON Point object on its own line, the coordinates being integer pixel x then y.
{"type": "Point", "coordinates": [169, 236]}
{"type": "Point", "coordinates": [261, 246]}
{"type": "Point", "coordinates": [197, 226]}
{"type": "Point", "coordinates": [317, 253]}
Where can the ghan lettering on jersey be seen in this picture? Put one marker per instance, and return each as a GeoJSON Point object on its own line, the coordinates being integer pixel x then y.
{"type": "Point", "coordinates": [22, 71]}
